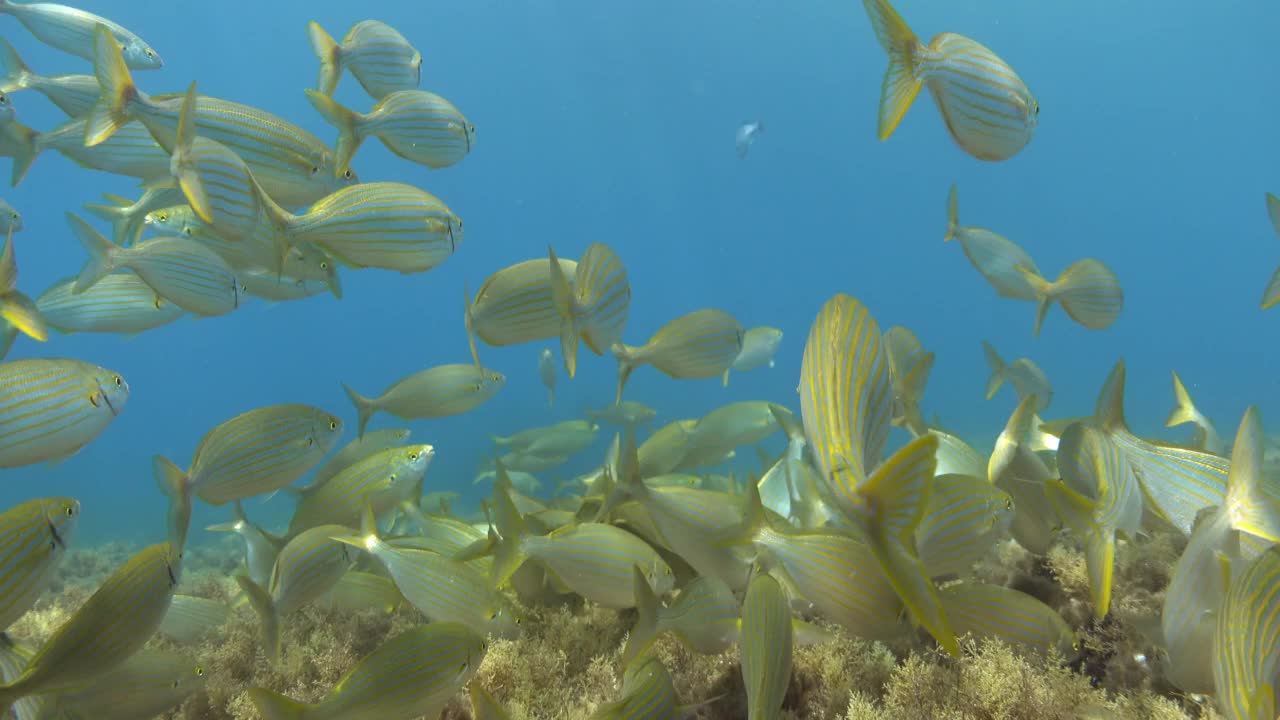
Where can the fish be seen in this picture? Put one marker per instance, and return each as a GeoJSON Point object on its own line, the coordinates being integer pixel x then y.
{"type": "Point", "coordinates": [128, 218]}
{"type": "Point", "coordinates": [361, 591]}
{"type": "Point", "coordinates": [417, 125]}
{"type": "Point", "coordinates": [413, 674]}
{"type": "Point", "coordinates": [515, 305]}
{"type": "Point", "coordinates": [378, 56]}
{"type": "Point", "coordinates": [624, 414]}
{"type": "Point", "coordinates": [1185, 411]}
{"type": "Point", "coordinates": [909, 368]}
{"type": "Point", "coordinates": [986, 610]}
{"type": "Point", "coordinates": [260, 548]}
{"type": "Point", "coordinates": [964, 518]}
{"type": "Point", "coordinates": [74, 95]}
{"type": "Point", "coordinates": [734, 425]}
{"type": "Point", "coordinates": [595, 306]}
{"type": "Point", "coordinates": [1271, 294]}
{"type": "Point", "coordinates": [483, 706]}
{"type": "Point", "coordinates": [356, 450]}
{"type": "Point", "coordinates": [765, 648]}
{"type": "Point", "coordinates": [1246, 641]}
{"type": "Point", "coordinates": [10, 219]}
{"type": "Point", "coordinates": [759, 345]}
{"type": "Point", "coordinates": [1024, 374]}
{"type": "Point", "coordinates": [274, 288]}
{"type": "Point", "coordinates": [306, 568]}
{"type": "Point", "coordinates": [33, 540]}
{"type": "Point", "coordinates": [647, 692]}
{"type": "Point", "coordinates": [114, 623]}
{"type": "Point", "coordinates": [73, 31]}
{"type": "Point", "coordinates": [701, 344]}
{"type": "Point", "coordinates": [440, 391]}
{"type": "Point", "coordinates": [1087, 290]}
{"type": "Point", "coordinates": [748, 133]}
{"type": "Point", "coordinates": [384, 479]}
{"type": "Point", "coordinates": [180, 270]}
{"type": "Point", "coordinates": [1015, 468]}
{"type": "Point", "coordinates": [704, 617]}
{"type": "Point", "coordinates": [131, 151]}
{"type": "Point", "coordinates": [995, 256]}
{"type": "Point", "coordinates": [986, 107]}
{"type": "Point", "coordinates": [146, 685]}
{"type": "Point", "coordinates": [16, 308]}
{"type": "Point", "coordinates": [547, 374]}
{"type": "Point", "coordinates": [50, 408]}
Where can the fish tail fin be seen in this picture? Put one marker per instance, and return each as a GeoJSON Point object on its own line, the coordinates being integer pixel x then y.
{"type": "Point", "coordinates": [754, 520]}
{"type": "Point", "coordinates": [172, 481]}
{"type": "Point", "coordinates": [900, 490]}
{"type": "Point", "coordinates": [953, 214]}
{"type": "Point", "coordinates": [24, 145]}
{"type": "Point", "coordinates": [183, 169]}
{"type": "Point", "coordinates": [329, 53]}
{"type": "Point", "coordinates": [1108, 410]}
{"type": "Point", "coordinates": [1271, 294]}
{"type": "Point", "coordinates": [112, 109]}
{"type": "Point", "coordinates": [626, 365]}
{"type": "Point", "coordinates": [365, 408]}
{"type": "Point", "coordinates": [20, 312]}
{"type": "Point", "coordinates": [14, 73]}
{"type": "Point", "coordinates": [102, 254]}
{"type": "Point", "coordinates": [1090, 293]}
{"type": "Point", "coordinates": [645, 631]}
{"type": "Point", "coordinates": [1250, 507]}
{"type": "Point", "coordinates": [1184, 409]}
{"type": "Point", "coordinates": [508, 554]}
{"type": "Point", "coordinates": [274, 706]}
{"type": "Point", "coordinates": [998, 367]}
{"type": "Point", "coordinates": [901, 84]}
{"type": "Point", "coordinates": [265, 609]}
{"type": "Point", "coordinates": [346, 121]}
{"type": "Point", "coordinates": [1077, 512]}
{"type": "Point", "coordinates": [1011, 438]}
{"type": "Point", "coordinates": [563, 297]}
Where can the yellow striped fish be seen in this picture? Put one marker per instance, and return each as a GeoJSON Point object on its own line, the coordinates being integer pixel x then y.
{"type": "Point", "coordinates": [1015, 468]}
{"type": "Point", "coordinates": [384, 479]}
{"type": "Point", "coordinates": [113, 624]}
{"type": "Point", "coordinates": [647, 693]}
{"type": "Point", "coordinates": [190, 618]}
{"type": "Point", "coordinates": [274, 288]}
{"type": "Point", "coordinates": [594, 306]}
{"type": "Point", "coordinates": [1246, 647]}
{"type": "Point", "coordinates": [358, 591]}
{"type": "Point", "coordinates": [1271, 294]}
{"type": "Point", "coordinates": [255, 452]}
{"type": "Point", "coordinates": [417, 125]}
{"type": "Point", "coordinates": [515, 305]}
{"type": "Point", "coordinates": [765, 647]}
{"type": "Point", "coordinates": [662, 451]}
{"type": "Point", "coordinates": [15, 307]}
{"type": "Point", "coordinates": [1088, 291]}
{"type": "Point", "coordinates": [1023, 374]}
{"type": "Point", "coordinates": [702, 344]}
{"type": "Point", "coordinates": [74, 95]}
{"type": "Point", "coordinates": [72, 30]}
{"type": "Point", "coordinates": [144, 686]}
{"type": "Point", "coordinates": [380, 224]}
{"type": "Point", "coordinates": [379, 57]}
{"type": "Point", "coordinates": [704, 617]}
{"type": "Point", "coordinates": [985, 610]}
{"type": "Point", "coordinates": [987, 108]}
{"type": "Point", "coordinates": [995, 256]}
{"type": "Point", "coordinates": [306, 568]}
{"type": "Point", "coordinates": [439, 391]}
{"type": "Point", "coordinates": [33, 538]}
{"type": "Point", "coordinates": [51, 408]}
{"type": "Point", "coordinates": [294, 167]}
{"type": "Point", "coordinates": [414, 674]}
{"type": "Point", "coordinates": [14, 657]}
{"type": "Point", "coordinates": [260, 549]}
{"type": "Point", "coordinates": [128, 217]}
{"type": "Point", "coordinates": [357, 450]}
{"type": "Point", "coordinates": [131, 151]}
{"type": "Point", "coordinates": [846, 401]}
{"type": "Point", "coordinates": [963, 520]}
{"type": "Point", "coordinates": [443, 589]}
{"type": "Point", "coordinates": [182, 271]}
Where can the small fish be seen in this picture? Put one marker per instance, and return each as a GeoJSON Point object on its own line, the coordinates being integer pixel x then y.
{"type": "Point", "coordinates": [965, 516]}
{"type": "Point", "coordinates": [384, 479]}
{"type": "Point", "coordinates": [146, 685]}
{"type": "Point", "coordinates": [51, 408]}
{"type": "Point", "coordinates": [561, 439]}
{"type": "Point", "coordinates": [996, 257]}
{"type": "Point", "coordinates": [765, 648]}
{"type": "Point", "coordinates": [17, 141]}
{"type": "Point", "coordinates": [1185, 411]}
{"type": "Point", "coordinates": [273, 287]}
{"type": "Point", "coordinates": [180, 270]}
{"type": "Point", "coordinates": [357, 450]}
{"type": "Point", "coordinates": [1015, 468]}
{"type": "Point", "coordinates": [440, 391]}
{"type": "Point", "coordinates": [10, 219]}
{"type": "Point", "coordinates": [191, 618]}
{"type": "Point", "coordinates": [701, 344]}
{"type": "Point", "coordinates": [734, 425]}
{"type": "Point", "coordinates": [647, 693]}
{"type": "Point", "coordinates": [33, 539]}
{"type": "Point", "coordinates": [1024, 374]}
{"type": "Point", "coordinates": [16, 308]}
{"type": "Point", "coordinates": [759, 345]}
{"type": "Point", "coordinates": [358, 591]}
{"type": "Point", "coordinates": [379, 57]}
{"type": "Point", "coordinates": [260, 549]}
{"type": "Point", "coordinates": [74, 95]}
{"type": "Point", "coordinates": [547, 373]}
{"type": "Point", "coordinates": [72, 30]}
{"type": "Point", "coordinates": [515, 305]}
{"type": "Point", "coordinates": [987, 108]}
{"type": "Point", "coordinates": [1271, 294]}
{"type": "Point", "coordinates": [986, 610]}
{"type": "Point", "coordinates": [595, 306]}
{"type": "Point", "coordinates": [704, 617]}
{"type": "Point", "coordinates": [113, 624]}
{"type": "Point", "coordinates": [413, 674]}
{"type": "Point", "coordinates": [746, 136]}
{"type": "Point", "coordinates": [624, 414]}
{"type": "Point", "coordinates": [417, 125]}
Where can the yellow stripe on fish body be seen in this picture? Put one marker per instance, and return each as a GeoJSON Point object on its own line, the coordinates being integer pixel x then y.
{"type": "Point", "coordinates": [704, 617]}
{"type": "Point", "coordinates": [113, 624]}
{"type": "Point", "coordinates": [33, 538]}
{"type": "Point", "coordinates": [355, 451]}
{"type": "Point", "coordinates": [417, 125]}
{"type": "Point", "coordinates": [358, 591]}
{"type": "Point", "coordinates": [1246, 645]}
{"type": "Point", "coordinates": [74, 95]}
{"type": "Point", "coordinates": [595, 561]}
{"type": "Point", "coordinates": [261, 450]}
{"type": "Point", "coordinates": [1016, 618]}
{"type": "Point", "coordinates": [131, 151]}
{"type": "Point", "coordinates": [957, 457]}
{"type": "Point", "coordinates": [647, 693]}
{"type": "Point", "coordinates": [1088, 291]}
{"type": "Point", "coordinates": [411, 675]}
{"type": "Point", "coordinates": [686, 517]}
{"type": "Point", "coordinates": [601, 297]}
{"type": "Point", "coordinates": [382, 224]}
{"type": "Point", "coordinates": [145, 685]}
{"type": "Point", "coordinates": [965, 517]}
{"type": "Point", "coordinates": [379, 57]}
{"type": "Point", "coordinates": [439, 391]}
{"type": "Point", "coordinates": [72, 30]}
{"type": "Point", "coordinates": [13, 660]}
{"type": "Point", "coordinates": [1001, 261]}
{"type": "Point", "coordinates": [50, 408]}
{"type": "Point", "coordinates": [765, 647]}
{"type": "Point", "coordinates": [384, 478]}
{"type": "Point", "coordinates": [515, 305]}
{"type": "Point", "coordinates": [701, 344]}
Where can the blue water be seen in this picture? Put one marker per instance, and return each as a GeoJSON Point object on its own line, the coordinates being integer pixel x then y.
{"type": "Point", "coordinates": [614, 122]}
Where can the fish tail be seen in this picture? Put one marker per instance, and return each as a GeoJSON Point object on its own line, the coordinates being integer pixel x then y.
{"type": "Point", "coordinates": [364, 408]}
{"type": "Point", "coordinates": [1184, 410]}
{"type": "Point", "coordinates": [112, 109]}
{"type": "Point", "coordinates": [1251, 509]}
{"type": "Point", "coordinates": [102, 254]}
{"type": "Point", "coordinates": [645, 631]}
{"type": "Point", "coordinates": [174, 484]}
{"type": "Point", "coordinates": [1090, 293]}
{"type": "Point", "coordinates": [625, 366]}
{"type": "Point", "coordinates": [346, 121]}
{"type": "Point", "coordinates": [274, 706]}
{"type": "Point", "coordinates": [997, 366]}
{"type": "Point", "coordinates": [261, 603]}
{"type": "Point", "coordinates": [14, 73]}
{"type": "Point", "coordinates": [183, 170]}
{"type": "Point", "coordinates": [329, 52]}
{"type": "Point", "coordinates": [563, 297]}
{"type": "Point", "coordinates": [508, 553]}
{"type": "Point", "coordinates": [18, 310]}
{"type": "Point", "coordinates": [1078, 513]}
{"type": "Point", "coordinates": [901, 83]}
{"type": "Point", "coordinates": [25, 146]}
{"type": "Point", "coordinates": [953, 214]}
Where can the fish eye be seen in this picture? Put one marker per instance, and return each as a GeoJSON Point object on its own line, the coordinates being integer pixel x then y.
{"type": "Point", "coordinates": [162, 216]}
{"type": "Point", "coordinates": [333, 424]}
{"type": "Point", "coordinates": [413, 457]}
{"type": "Point", "coordinates": [119, 381]}
{"type": "Point", "coordinates": [348, 175]}
{"type": "Point", "coordinates": [199, 671]}
{"type": "Point", "coordinates": [324, 265]}
{"type": "Point", "coordinates": [71, 510]}
{"type": "Point", "coordinates": [1008, 503]}
{"type": "Point", "coordinates": [150, 53]}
